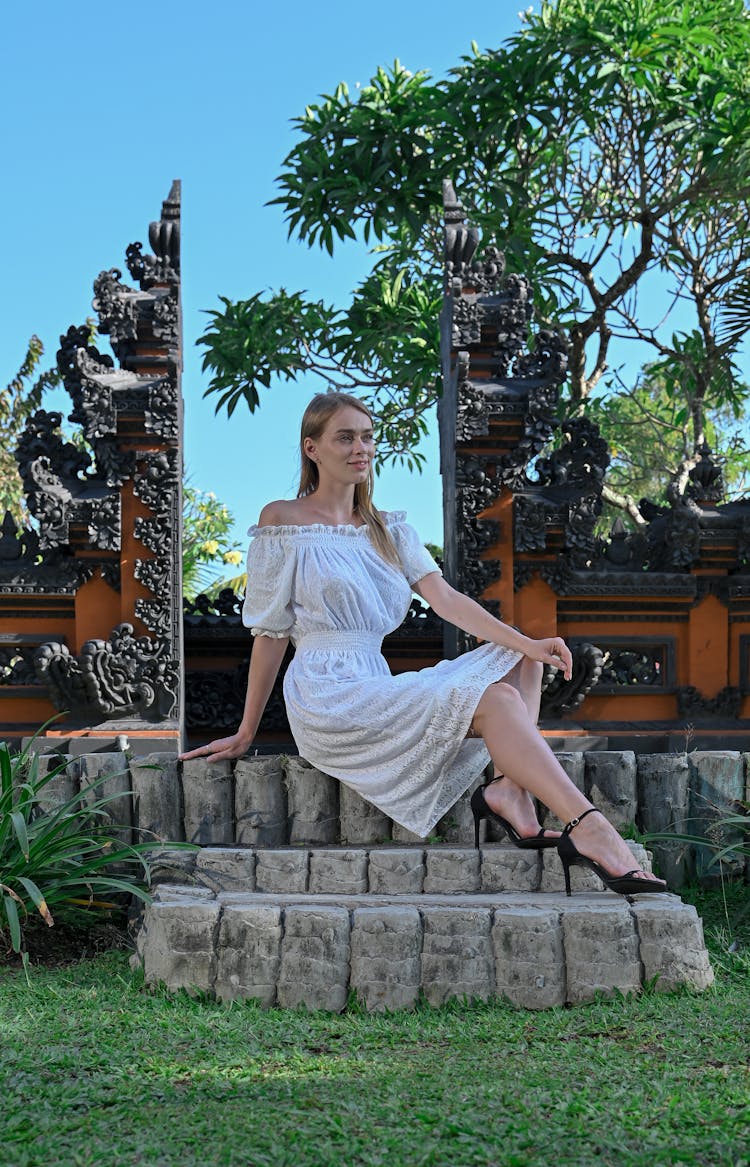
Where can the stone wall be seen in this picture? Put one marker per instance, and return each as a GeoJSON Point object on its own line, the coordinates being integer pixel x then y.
{"type": "Point", "coordinates": [277, 801]}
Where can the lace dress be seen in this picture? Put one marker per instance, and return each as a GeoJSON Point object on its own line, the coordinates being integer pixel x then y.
{"type": "Point", "coordinates": [399, 741]}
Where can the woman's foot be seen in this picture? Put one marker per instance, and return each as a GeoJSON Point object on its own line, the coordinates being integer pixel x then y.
{"type": "Point", "coordinates": [595, 838]}
{"type": "Point", "coordinates": [509, 800]}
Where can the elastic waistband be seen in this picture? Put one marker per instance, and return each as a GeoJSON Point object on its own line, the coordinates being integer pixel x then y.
{"type": "Point", "coordinates": [340, 642]}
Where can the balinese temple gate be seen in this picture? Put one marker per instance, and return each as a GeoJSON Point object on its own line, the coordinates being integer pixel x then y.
{"type": "Point", "coordinates": [92, 620]}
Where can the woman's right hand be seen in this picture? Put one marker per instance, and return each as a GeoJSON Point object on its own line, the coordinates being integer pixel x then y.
{"type": "Point", "coordinates": [220, 750]}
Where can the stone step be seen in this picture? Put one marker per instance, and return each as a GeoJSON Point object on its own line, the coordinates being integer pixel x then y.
{"type": "Point", "coordinates": [538, 950]}
{"type": "Point", "coordinates": [415, 871]}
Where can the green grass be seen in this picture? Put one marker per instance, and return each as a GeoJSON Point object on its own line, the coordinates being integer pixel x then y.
{"type": "Point", "coordinates": [96, 1070]}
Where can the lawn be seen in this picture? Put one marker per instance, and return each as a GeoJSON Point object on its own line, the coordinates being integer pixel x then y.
{"type": "Point", "coordinates": [97, 1070]}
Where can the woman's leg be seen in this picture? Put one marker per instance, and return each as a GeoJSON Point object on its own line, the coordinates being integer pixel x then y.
{"type": "Point", "coordinates": [511, 800]}
{"type": "Point", "coordinates": [520, 752]}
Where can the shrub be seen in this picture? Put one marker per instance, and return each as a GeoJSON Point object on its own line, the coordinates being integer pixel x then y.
{"type": "Point", "coordinates": [60, 860]}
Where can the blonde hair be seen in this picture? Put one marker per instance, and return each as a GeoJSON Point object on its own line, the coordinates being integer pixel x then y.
{"type": "Point", "coordinates": [314, 420]}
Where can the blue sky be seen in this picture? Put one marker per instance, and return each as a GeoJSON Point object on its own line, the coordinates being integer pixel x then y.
{"type": "Point", "coordinates": [103, 105]}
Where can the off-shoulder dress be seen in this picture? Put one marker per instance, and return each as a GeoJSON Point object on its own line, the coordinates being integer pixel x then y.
{"type": "Point", "coordinates": [399, 741]}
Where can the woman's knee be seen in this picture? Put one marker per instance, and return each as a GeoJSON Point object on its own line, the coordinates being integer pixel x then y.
{"type": "Point", "coordinates": [499, 697]}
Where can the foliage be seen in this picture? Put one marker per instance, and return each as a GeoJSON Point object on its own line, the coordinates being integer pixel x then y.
{"type": "Point", "coordinates": [56, 856]}
{"type": "Point", "coordinates": [604, 148]}
{"type": "Point", "coordinates": [18, 401]}
{"type": "Point", "coordinates": [727, 839]}
{"type": "Point", "coordinates": [206, 543]}
{"type": "Point", "coordinates": [650, 432]}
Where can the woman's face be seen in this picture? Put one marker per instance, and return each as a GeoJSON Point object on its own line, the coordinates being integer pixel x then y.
{"type": "Point", "coordinates": [345, 449]}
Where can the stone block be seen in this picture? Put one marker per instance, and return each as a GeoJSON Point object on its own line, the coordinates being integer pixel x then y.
{"type": "Point", "coordinates": [226, 868]}
{"type": "Point", "coordinates": [611, 784]}
{"type": "Point", "coordinates": [260, 802]}
{"type": "Point", "coordinates": [157, 798]}
{"type": "Point", "coordinates": [172, 891]}
{"type": "Point", "coordinates": [529, 956]}
{"type": "Point", "coordinates": [385, 956]}
{"type": "Point", "coordinates": [673, 951]}
{"type": "Point", "coordinates": [396, 871]}
{"type": "Point", "coordinates": [451, 871]}
{"type": "Point", "coordinates": [341, 872]}
{"type": "Point", "coordinates": [249, 953]}
{"type": "Point", "coordinates": [457, 958]}
{"type": "Point", "coordinates": [281, 872]}
{"type": "Point", "coordinates": [208, 798]}
{"type": "Point", "coordinates": [171, 864]}
{"type": "Point", "coordinates": [177, 943]}
{"type": "Point", "coordinates": [312, 803]}
{"type": "Point", "coordinates": [574, 765]}
{"type": "Point", "coordinates": [315, 953]}
{"type": "Point", "coordinates": [717, 784]}
{"type": "Point", "coordinates": [361, 823]}
{"type": "Point", "coordinates": [602, 951]}
{"type": "Point", "coordinates": [552, 878]}
{"type": "Point", "coordinates": [663, 806]}
{"type": "Point", "coordinates": [457, 826]}
{"type": "Point", "coordinates": [582, 878]}
{"type": "Point", "coordinates": [400, 834]}
{"type": "Point", "coordinates": [510, 869]}
{"type": "Point", "coordinates": [62, 786]}
{"type": "Point", "coordinates": [107, 776]}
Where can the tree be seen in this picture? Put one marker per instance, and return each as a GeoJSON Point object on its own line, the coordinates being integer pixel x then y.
{"type": "Point", "coordinates": [18, 401]}
{"type": "Point", "coordinates": [604, 148]}
{"type": "Point", "coordinates": [206, 543]}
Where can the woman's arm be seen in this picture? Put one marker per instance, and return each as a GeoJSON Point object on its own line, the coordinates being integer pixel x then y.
{"type": "Point", "coordinates": [265, 662]}
{"type": "Point", "coordinates": [471, 617]}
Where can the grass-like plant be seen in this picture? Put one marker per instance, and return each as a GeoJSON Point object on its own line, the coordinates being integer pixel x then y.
{"type": "Point", "coordinates": [61, 860]}
{"type": "Point", "coordinates": [726, 842]}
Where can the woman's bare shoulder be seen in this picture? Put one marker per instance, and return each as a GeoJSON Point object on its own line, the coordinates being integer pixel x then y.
{"type": "Point", "coordinates": [280, 512]}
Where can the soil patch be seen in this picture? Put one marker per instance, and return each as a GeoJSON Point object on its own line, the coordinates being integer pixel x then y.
{"type": "Point", "coordinates": [65, 943]}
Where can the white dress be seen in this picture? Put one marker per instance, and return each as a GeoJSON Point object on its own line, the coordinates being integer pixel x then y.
{"type": "Point", "coordinates": [399, 741]}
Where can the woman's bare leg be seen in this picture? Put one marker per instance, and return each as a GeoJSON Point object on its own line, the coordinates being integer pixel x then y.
{"type": "Point", "coordinates": [520, 753]}
{"type": "Point", "coordinates": [510, 800]}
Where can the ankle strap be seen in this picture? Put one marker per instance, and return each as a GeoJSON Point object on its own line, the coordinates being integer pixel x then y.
{"type": "Point", "coordinates": [574, 822]}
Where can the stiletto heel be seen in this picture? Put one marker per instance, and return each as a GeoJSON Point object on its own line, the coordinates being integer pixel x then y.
{"type": "Point", "coordinates": [625, 885]}
{"type": "Point", "coordinates": [481, 810]}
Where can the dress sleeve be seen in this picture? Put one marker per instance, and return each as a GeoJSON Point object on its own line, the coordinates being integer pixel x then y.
{"type": "Point", "coordinates": [415, 558]}
{"type": "Point", "coordinates": [271, 560]}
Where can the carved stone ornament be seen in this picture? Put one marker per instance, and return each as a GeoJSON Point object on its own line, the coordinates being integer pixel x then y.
{"type": "Point", "coordinates": [560, 696]}
{"type": "Point", "coordinates": [581, 461]}
{"type": "Point", "coordinates": [623, 550]}
{"type": "Point", "coordinates": [628, 667]}
{"type": "Point", "coordinates": [529, 524]}
{"type": "Point", "coordinates": [227, 604]}
{"type": "Point", "coordinates": [743, 543]}
{"type": "Point", "coordinates": [115, 305]}
{"type": "Point", "coordinates": [473, 411]}
{"type": "Point", "coordinates": [17, 666]}
{"type": "Point", "coordinates": [693, 706]}
{"type": "Point", "coordinates": [122, 677]}
{"type": "Point", "coordinates": [161, 415]}
{"type": "Point", "coordinates": [706, 478]}
{"type": "Point", "coordinates": [163, 267]}
{"type": "Point", "coordinates": [156, 615]}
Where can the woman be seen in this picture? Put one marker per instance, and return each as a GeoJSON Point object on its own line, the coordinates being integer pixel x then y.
{"type": "Point", "coordinates": [334, 574]}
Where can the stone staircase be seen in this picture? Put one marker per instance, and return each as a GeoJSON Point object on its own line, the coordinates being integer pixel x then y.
{"type": "Point", "coordinates": [313, 925]}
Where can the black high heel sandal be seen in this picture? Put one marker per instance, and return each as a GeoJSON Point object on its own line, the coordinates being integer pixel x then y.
{"type": "Point", "coordinates": [626, 885]}
{"type": "Point", "coordinates": [481, 810]}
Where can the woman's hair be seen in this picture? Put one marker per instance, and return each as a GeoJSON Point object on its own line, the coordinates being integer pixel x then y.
{"type": "Point", "coordinates": [314, 420]}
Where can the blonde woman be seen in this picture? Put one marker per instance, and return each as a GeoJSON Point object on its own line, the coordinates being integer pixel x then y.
{"type": "Point", "coordinates": [335, 575]}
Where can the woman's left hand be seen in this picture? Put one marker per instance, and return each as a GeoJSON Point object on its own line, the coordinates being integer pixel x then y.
{"type": "Point", "coordinates": [553, 651]}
